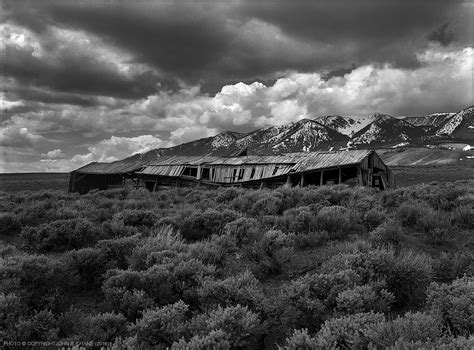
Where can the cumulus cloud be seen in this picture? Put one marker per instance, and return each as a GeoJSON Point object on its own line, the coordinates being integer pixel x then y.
{"type": "Point", "coordinates": [71, 62]}
{"type": "Point", "coordinates": [56, 153]}
{"type": "Point", "coordinates": [442, 82]}
{"type": "Point", "coordinates": [215, 43]}
{"type": "Point", "coordinates": [18, 137]}
{"type": "Point", "coordinates": [117, 148]}
{"type": "Point", "coordinates": [191, 133]}
{"type": "Point", "coordinates": [6, 104]}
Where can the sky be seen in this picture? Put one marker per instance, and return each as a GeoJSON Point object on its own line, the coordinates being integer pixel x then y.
{"type": "Point", "coordinates": [87, 81]}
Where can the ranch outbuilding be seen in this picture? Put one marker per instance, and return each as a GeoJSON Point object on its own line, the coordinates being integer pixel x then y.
{"type": "Point", "coordinates": [352, 167]}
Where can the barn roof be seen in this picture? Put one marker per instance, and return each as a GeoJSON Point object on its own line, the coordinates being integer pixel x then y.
{"type": "Point", "coordinates": [321, 160]}
{"type": "Point", "coordinates": [118, 167]}
{"type": "Point", "coordinates": [301, 161]}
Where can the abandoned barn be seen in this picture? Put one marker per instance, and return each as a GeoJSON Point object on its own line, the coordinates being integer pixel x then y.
{"type": "Point", "coordinates": [353, 167]}
{"type": "Point", "coordinates": [104, 176]}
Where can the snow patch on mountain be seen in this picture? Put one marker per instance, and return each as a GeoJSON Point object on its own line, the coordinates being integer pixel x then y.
{"type": "Point", "coordinates": [224, 139]}
{"type": "Point", "coordinates": [347, 125]}
{"type": "Point", "coordinates": [431, 120]}
{"type": "Point", "coordinates": [455, 121]}
{"type": "Point", "coordinates": [450, 125]}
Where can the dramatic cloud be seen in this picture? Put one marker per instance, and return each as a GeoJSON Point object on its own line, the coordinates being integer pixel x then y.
{"type": "Point", "coordinates": [97, 82]}
{"type": "Point", "coordinates": [18, 137]}
{"type": "Point", "coordinates": [442, 82]}
{"type": "Point", "coordinates": [70, 61]}
{"type": "Point", "coordinates": [120, 147]}
{"type": "Point", "coordinates": [442, 35]}
{"type": "Point", "coordinates": [214, 43]}
{"type": "Point", "coordinates": [56, 153]}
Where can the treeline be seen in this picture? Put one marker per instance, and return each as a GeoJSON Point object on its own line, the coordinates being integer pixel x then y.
{"type": "Point", "coordinates": [312, 268]}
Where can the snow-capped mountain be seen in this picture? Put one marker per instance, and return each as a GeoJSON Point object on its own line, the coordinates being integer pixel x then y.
{"type": "Point", "coordinates": [459, 125]}
{"type": "Point", "coordinates": [386, 131]}
{"type": "Point", "coordinates": [331, 133]}
{"type": "Point", "coordinates": [304, 135]}
{"type": "Point", "coordinates": [217, 145]}
{"type": "Point", "coordinates": [430, 121]}
{"type": "Point", "coordinates": [346, 125]}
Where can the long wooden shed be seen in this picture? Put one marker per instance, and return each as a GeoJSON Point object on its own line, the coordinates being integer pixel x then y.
{"type": "Point", "coordinates": [104, 176]}
{"type": "Point", "coordinates": [353, 167]}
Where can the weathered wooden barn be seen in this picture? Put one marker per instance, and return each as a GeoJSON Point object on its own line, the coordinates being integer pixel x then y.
{"type": "Point", "coordinates": [104, 176]}
{"type": "Point", "coordinates": [353, 167]}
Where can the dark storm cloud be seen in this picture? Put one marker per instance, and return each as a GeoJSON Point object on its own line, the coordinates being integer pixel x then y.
{"type": "Point", "coordinates": [182, 40]}
{"type": "Point", "coordinates": [73, 72]}
{"type": "Point", "coordinates": [46, 96]}
{"type": "Point", "coordinates": [200, 42]}
{"type": "Point", "coordinates": [442, 35]}
{"type": "Point", "coordinates": [380, 28]}
{"type": "Point", "coordinates": [339, 72]}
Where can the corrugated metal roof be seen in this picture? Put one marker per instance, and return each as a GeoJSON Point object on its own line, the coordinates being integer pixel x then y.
{"type": "Point", "coordinates": [118, 167]}
{"type": "Point", "coordinates": [301, 161]}
{"type": "Point", "coordinates": [321, 160]}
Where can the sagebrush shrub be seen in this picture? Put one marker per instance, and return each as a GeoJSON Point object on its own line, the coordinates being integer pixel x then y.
{"type": "Point", "coordinates": [308, 300]}
{"type": "Point", "coordinates": [73, 324]}
{"type": "Point", "coordinates": [118, 251]}
{"type": "Point", "coordinates": [463, 216]}
{"type": "Point", "coordinates": [300, 339]}
{"type": "Point", "coordinates": [39, 281]}
{"type": "Point", "coordinates": [364, 298]}
{"type": "Point", "coordinates": [407, 274]}
{"type": "Point", "coordinates": [268, 205]}
{"type": "Point", "coordinates": [162, 240]}
{"type": "Point", "coordinates": [136, 218]}
{"type": "Point", "coordinates": [166, 283]}
{"type": "Point", "coordinates": [228, 194]}
{"type": "Point", "coordinates": [299, 220]}
{"type": "Point", "coordinates": [453, 304]}
{"type": "Point", "coordinates": [388, 233]}
{"type": "Point", "coordinates": [214, 251]}
{"type": "Point", "coordinates": [162, 326]}
{"type": "Point", "coordinates": [243, 289]}
{"type": "Point", "coordinates": [374, 217]}
{"type": "Point", "coordinates": [409, 327]}
{"type": "Point", "coordinates": [242, 325]}
{"type": "Point", "coordinates": [201, 225]}
{"type": "Point", "coordinates": [349, 332]}
{"type": "Point", "coordinates": [336, 220]}
{"type": "Point", "coordinates": [86, 266]}
{"type": "Point", "coordinates": [106, 326]}
{"type": "Point", "coordinates": [245, 230]}
{"type": "Point", "coordinates": [9, 224]}
{"type": "Point", "coordinates": [410, 213]}
{"type": "Point", "coordinates": [449, 266]}
{"type": "Point", "coordinates": [271, 252]}
{"type": "Point", "coordinates": [60, 235]}
{"type": "Point", "coordinates": [215, 339]}
{"type": "Point", "coordinates": [41, 326]}
{"type": "Point", "coordinates": [442, 343]}
{"type": "Point", "coordinates": [10, 310]}
{"type": "Point", "coordinates": [310, 240]}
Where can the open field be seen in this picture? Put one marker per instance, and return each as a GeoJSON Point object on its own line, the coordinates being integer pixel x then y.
{"type": "Point", "coordinates": [405, 176]}
{"type": "Point", "coordinates": [33, 182]}
{"type": "Point", "coordinates": [411, 175]}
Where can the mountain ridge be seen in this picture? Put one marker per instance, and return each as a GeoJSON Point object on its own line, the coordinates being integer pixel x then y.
{"type": "Point", "coordinates": [331, 132]}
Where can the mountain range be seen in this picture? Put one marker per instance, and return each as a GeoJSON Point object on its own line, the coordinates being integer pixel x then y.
{"type": "Point", "coordinates": [333, 132]}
